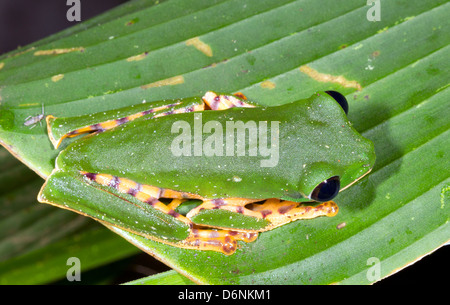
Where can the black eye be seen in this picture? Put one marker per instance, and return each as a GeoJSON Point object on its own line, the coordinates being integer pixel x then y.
{"type": "Point", "coordinates": [340, 99]}
{"type": "Point", "coordinates": [326, 190]}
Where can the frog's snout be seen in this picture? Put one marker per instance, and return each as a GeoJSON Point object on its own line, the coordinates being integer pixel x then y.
{"type": "Point", "coordinates": [340, 99]}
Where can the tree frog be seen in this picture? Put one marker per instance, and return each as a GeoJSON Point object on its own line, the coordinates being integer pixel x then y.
{"type": "Point", "coordinates": [206, 172]}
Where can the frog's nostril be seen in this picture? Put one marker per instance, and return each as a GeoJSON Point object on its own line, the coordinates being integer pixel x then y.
{"type": "Point", "coordinates": [340, 99]}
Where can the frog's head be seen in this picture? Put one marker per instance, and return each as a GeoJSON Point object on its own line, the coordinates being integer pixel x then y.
{"type": "Point", "coordinates": [341, 156]}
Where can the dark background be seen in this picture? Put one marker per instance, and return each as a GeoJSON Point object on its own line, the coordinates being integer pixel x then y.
{"type": "Point", "coordinates": [25, 21]}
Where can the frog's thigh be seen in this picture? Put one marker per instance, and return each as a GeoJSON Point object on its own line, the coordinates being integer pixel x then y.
{"type": "Point", "coordinates": [224, 241]}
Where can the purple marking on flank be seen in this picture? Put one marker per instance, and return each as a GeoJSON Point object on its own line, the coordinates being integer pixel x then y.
{"type": "Point", "coordinates": [90, 176]}
{"type": "Point", "coordinates": [98, 127]}
{"type": "Point", "coordinates": [151, 201]}
{"type": "Point", "coordinates": [265, 213]}
{"type": "Point", "coordinates": [122, 121]}
{"type": "Point", "coordinates": [114, 183]}
{"type": "Point", "coordinates": [135, 190]}
{"type": "Point", "coordinates": [218, 202]}
{"type": "Point", "coordinates": [173, 213]}
{"type": "Point", "coordinates": [147, 111]}
{"type": "Point", "coordinates": [72, 133]}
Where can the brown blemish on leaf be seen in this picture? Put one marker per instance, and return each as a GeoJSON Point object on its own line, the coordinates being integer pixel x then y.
{"type": "Point", "coordinates": [200, 45]}
{"type": "Point", "coordinates": [132, 21]}
{"type": "Point", "coordinates": [137, 57]}
{"type": "Point", "coordinates": [58, 51]}
{"type": "Point", "coordinates": [58, 77]}
{"type": "Point", "coordinates": [176, 80]}
{"type": "Point", "coordinates": [268, 84]}
{"type": "Point", "coordinates": [328, 78]}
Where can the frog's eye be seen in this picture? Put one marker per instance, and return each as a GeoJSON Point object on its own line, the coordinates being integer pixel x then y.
{"type": "Point", "coordinates": [340, 99]}
{"type": "Point", "coordinates": [326, 190]}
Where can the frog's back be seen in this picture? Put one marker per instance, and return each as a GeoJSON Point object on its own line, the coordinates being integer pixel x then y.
{"type": "Point", "coordinates": [172, 151]}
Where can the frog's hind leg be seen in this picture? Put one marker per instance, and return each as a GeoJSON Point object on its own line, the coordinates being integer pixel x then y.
{"type": "Point", "coordinates": [100, 126]}
{"type": "Point", "coordinates": [275, 211]}
{"type": "Point", "coordinates": [61, 128]}
{"type": "Point", "coordinates": [224, 241]}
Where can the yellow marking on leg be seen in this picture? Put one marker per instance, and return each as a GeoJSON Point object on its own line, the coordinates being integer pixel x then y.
{"type": "Point", "coordinates": [219, 240]}
{"type": "Point", "coordinates": [224, 241]}
{"type": "Point", "coordinates": [277, 212]}
{"type": "Point", "coordinates": [236, 205]}
{"type": "Point", "coordinates": [240, 95]}
{"type": "Point", "coordinates": [168, 193]}
{"type": "Point", "coordinates": [282, 212]}
{"type": "Point", "coordinates": [199, 107]}
{"type": "Point", "coordinates": [109, 124]}
{"type": "Point", "coordinates": [175, 203]}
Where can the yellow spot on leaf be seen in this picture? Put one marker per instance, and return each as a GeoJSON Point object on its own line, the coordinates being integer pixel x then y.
{"type": "Point", "coordinates": [2, 64]}
{"type": "Point", "coordinates": [28, 104]}
{"type": "Point", "coordinates": [58, 77]}
{"type": "Point", "coordinates": [200, 45]}
{"type": "Point", "coordinates": [328, 78]}
{"type": "Point", "coordinates": [137, 57]}
{"type": "Point", "coordinates": [383, 30]}
{"type": "Point", "coordinates": [176, 80]}
{"type": "Point", "coordinates": [268, 84]}
{"type": "Point", "coordinates": [57, 51]}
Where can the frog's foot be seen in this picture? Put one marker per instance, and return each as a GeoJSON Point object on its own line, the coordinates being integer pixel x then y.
{"type": "Point", "coordinates": [222, 101]}
{"type": "Point", "coordinates": [275, 211]}
{"type": "Point", "coordinates": [224, 241]}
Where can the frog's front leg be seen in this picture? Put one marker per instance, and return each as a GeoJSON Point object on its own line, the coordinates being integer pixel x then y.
{"type": "Point", "coordinates": [224, 241]}
{"type": "Point", "coordinates": [269, 214]}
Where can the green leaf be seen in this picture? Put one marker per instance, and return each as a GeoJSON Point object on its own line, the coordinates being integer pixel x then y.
{"type": "Point", "coordinates": [394, 73]}
{"type": "Point", "coordinates": [36, 239]}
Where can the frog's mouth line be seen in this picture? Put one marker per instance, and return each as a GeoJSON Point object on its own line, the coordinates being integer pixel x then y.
{"type": "Point", "coordinates": [347, 186]}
